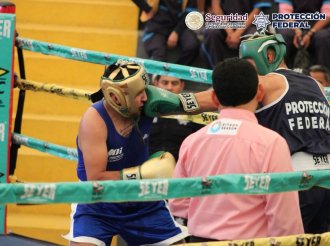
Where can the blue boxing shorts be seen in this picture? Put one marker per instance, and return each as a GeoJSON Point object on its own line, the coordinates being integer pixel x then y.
{"type": "Point", "coordinates": [138, 223]}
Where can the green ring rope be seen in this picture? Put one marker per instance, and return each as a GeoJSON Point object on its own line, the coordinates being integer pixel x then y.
{"type": "Point", "coordinates": [158, 189]}
{"type": "Point", "coordinates": [53, 149]}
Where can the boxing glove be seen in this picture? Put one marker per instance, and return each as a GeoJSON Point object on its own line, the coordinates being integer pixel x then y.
{"type": "Point", "coordinates": [161, 102]}
{"type": "Point", "coordinates": [159, 165]}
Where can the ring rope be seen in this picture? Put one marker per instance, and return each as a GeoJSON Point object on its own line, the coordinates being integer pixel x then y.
{"type": "Point", "coordinates": [154, 67]}
{"type": "Point", "coordinates": [78, 94]}
{"type": "Point", "coordinates": [53, 149]}
{"type": "Point", "coordinates": [84, 95]}
{"type": "Point", "coordinates": [292, 240]}
{"type": "Point", "coordinates": [71, 154]}
{"type": "Point", "coordinates": [159, 189]}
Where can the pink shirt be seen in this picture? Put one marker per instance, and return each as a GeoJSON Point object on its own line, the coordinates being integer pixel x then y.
{"type": "Point", "coordinates": [236, 143]}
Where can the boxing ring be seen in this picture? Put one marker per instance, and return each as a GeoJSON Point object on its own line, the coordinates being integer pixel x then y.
{"type": "Point", "coordinates": [133, 190]}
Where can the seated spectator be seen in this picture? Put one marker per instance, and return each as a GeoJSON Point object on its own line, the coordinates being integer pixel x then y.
{"type": "Point", "coordinates": [321, 74]}
{"type": "Point", "coordinates": [165, 29]}
{"type": "Point", "coordinates": [168, 134]}
{"type": "Point", "coordinates": [316, 39]}
{"type": "Point", "coordinates": [236, 143]}
{"type": "Point", "coordinates": [219, 44]}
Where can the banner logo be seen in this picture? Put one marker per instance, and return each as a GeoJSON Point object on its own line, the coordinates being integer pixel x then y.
{"type": "Point", "coordinates": [261, 21]}
{"type": "Point", "coordinates": [287, 20]}
{"type": "Point", "coordinates": [194, 20]}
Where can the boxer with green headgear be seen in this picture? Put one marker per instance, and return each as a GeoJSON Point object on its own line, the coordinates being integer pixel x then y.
{"type": "Point", "coordinates": [290, 106]}
{"type": "Point", "coordinates": [257, 46]}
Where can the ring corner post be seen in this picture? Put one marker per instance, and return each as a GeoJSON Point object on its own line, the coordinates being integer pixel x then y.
{"type": "Point", "coordinates": [7, 40]}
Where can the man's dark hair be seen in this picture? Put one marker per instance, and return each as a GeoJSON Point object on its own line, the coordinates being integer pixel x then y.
{"type": "Point", "coordinates": [157, 77]}
{"type": "Point", "coordinates": [235, 81]}
{"type": "Point", "coordinates": [321, 69]}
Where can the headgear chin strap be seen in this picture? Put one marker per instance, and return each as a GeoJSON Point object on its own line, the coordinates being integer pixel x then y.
{"type": "Point", "coordinates": [255, 47]}
{"type": "Point", "coordinates": [125, 81]}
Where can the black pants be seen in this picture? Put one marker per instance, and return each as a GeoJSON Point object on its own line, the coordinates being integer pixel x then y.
{"type": "Point", "coordinates": [215, 48]}
{"type": "Point", "coordinates": [188, 43]}
{"type": "Point", "coordinates": [318, 48]}
{"type": "Point", "coordinates": [315, 209]}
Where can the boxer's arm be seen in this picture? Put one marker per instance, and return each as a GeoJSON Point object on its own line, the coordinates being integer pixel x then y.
{"type": "Point", "coordinates": [92, 142]}
{"type": "Point", "coordinates": [207, 101]}
{"type": "Point", "coordinates": [162, 102]}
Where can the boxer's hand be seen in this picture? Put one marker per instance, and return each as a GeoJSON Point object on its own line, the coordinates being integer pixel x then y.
{"type": "Point", "coordinates": [161, 102]}
{"type": "Point", "coordinates": [159, 165]}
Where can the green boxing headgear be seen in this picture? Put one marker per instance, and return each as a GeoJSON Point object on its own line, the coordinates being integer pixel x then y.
{"type": "Point", "coordinates": [255, 47]}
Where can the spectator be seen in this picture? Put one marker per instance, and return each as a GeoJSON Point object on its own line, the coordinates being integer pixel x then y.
{"type": "Point", "coordinates": [219, 44]}
{"type": "Point", "coordinates": [235, 143]}
{"type": "Point", "coordinates": [168, 134]}
{"type": "Point", "coordinates": [316, 40]}
{"type": "Point", "coordinates": [321, 74]}
{"type": "Point", "coordinates": [165, 29]}
{"type": "Point", "coordinates": [295, 107]}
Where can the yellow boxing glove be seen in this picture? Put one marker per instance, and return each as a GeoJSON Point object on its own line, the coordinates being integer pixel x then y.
{"type": "Point", "coordinates": [159, 165]}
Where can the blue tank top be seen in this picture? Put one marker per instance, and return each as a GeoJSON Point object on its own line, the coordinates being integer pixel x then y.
{"type": "Point", "coordinates": [301, 118]}
{"type": "Point", "coordinates": [123, 152]}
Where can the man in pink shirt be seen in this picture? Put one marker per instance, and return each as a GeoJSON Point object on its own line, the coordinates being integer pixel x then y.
{"type": "Point", "coordinates": [236, 143]}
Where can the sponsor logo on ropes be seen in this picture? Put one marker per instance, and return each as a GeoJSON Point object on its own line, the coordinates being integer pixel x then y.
{"type": "Point", "coordinates": [25, 42]}
{"type": "Point", "coordinates": [78, 53]}
{"type": "Point", "coordinates": [38, 192]}
{"type": "Point", "coordinates": [245, 243]}
{"type": "Point", "coordinates": [198, 74]}
{"type": "Point", "coordinates": [312, 241]}
{"type": "Point", "coordinates": [207, 118]}
{"type": "Point", "coordinates": [98, 191]}
{"type": "Point", "coordinates": [305, 180]}
{"type": "Point", "coordinates": [206, 185]}
{"type": "Point", "coordinates": [274, 242]}
{"type": "Point", "coordinates": [257, 183]}
{"type": "Point", "coordinates": [153, 189]}
{"type": "Point", "coordinates": [131, 59]}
